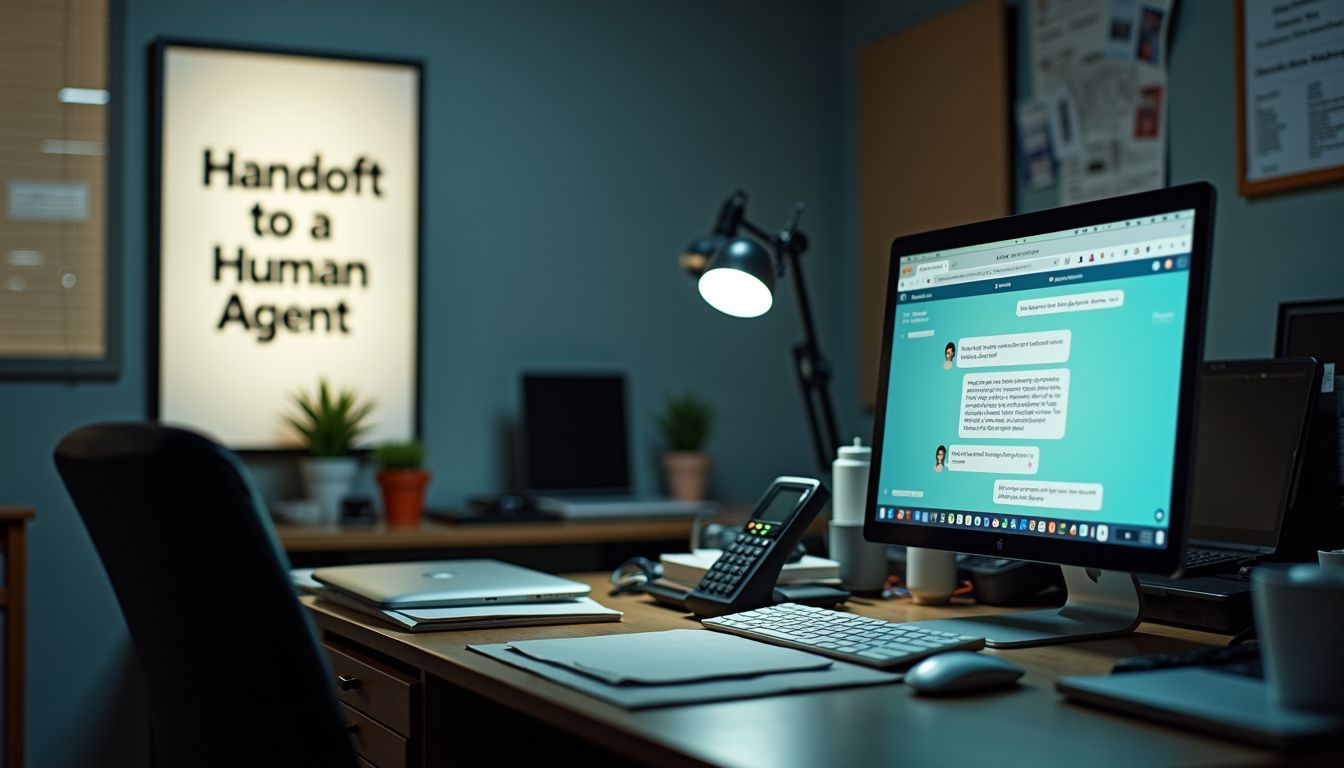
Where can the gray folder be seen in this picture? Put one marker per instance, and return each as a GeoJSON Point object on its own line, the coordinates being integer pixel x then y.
{"type": "Point", "coordinates": [653, 678]}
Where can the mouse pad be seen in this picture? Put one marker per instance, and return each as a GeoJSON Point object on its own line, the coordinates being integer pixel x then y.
{"type": "Point", "coordinates": [674, 656]}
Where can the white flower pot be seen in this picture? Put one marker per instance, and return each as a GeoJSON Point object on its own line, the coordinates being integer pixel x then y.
{"type": "Point", "coordinates": [327, 481]}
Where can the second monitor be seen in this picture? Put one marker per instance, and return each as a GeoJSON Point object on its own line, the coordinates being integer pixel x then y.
{"type": "Point", "coordinates": [1037, 399]}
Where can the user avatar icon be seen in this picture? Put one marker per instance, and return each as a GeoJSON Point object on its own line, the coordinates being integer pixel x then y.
{"type": "Point", "coordinates": [949, 353]}
{"type": "Point", "coordinates": [938, 457]}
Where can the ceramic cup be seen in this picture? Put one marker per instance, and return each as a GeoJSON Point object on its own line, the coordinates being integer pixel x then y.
{"type": "Point", "coordinates": [1331, 560]}
{"type": "Point", "coordinates": [1299, 617]}
{"type": "Point", "coordinates": [863, 564]}
{"type": "Point", "coordinates": [930, 575]}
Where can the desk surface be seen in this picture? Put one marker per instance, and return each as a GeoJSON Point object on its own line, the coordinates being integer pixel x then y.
{"type": "Point", "coordinates": [884, 725]}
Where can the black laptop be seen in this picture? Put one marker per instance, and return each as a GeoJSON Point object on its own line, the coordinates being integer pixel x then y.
{"type": "Point", "coordinates": [1253, 426]}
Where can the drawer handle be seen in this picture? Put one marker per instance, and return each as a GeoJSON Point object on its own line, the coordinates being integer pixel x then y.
{"type": "Point", "coordinates": [347, 682]}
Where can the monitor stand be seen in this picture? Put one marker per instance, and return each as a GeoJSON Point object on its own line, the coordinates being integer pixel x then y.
{"type": "Point", "coordinates": [1099, 604]}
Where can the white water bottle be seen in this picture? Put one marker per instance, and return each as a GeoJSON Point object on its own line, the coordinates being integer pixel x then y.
{"type": "Point", "coordinates": [849, 483]}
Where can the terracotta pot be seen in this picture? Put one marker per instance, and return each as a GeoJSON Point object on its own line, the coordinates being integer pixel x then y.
{"type": "Point", "coordinates": [687, 474]}
{"type": "Point", "coordinates": [403, 495]}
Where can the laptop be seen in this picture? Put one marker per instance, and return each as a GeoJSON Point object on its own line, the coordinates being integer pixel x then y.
{"type": "Point", "coordinates": [1253, 427]}
{"type": "Point", "coordinates": [575, 457]}
{"type": "Point", "coordinates": [445, 583]}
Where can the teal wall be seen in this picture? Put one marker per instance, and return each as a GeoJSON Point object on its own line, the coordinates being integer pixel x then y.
{"type": "Point", "coordinates": [570, 149]}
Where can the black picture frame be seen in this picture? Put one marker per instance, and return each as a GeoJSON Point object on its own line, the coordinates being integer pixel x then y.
{"type": "Point", "coordinates": [156, 52]}
{"type": "Point", "coordinates": [1199, 196]}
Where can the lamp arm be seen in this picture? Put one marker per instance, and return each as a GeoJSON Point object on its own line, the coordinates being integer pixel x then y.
{"type": "Point", "coordinates": [814, 372]}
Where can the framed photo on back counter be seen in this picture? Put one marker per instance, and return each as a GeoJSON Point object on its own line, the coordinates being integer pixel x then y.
{"type": "Point", "coordinates": [285, 238]}
{"type": "Point", "coordinates": [1290, 94]}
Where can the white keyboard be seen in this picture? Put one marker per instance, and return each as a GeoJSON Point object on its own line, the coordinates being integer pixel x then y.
{"type": "Point", "coordinates": [844, 636]}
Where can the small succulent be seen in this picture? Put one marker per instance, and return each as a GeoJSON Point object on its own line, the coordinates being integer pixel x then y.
{"type": "Point", "coordinates": [686, 421]}
{"type": "Point", "coordinates": [403, 455]}
{"type": "Point", "coordinates": [329, 425]}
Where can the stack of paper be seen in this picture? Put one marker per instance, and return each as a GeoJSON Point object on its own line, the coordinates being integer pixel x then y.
{"type": "Point", "coordinates": [581, 610]}
{"type": "Point", "coordinates": [690, 567]}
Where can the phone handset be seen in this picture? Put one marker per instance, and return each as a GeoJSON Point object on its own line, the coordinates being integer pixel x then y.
{"type": "Point", "coordinates": [744, 576]}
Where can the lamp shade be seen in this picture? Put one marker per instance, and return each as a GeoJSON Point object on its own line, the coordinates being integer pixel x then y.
{"type": "Point", "coordinates": [740, 279]}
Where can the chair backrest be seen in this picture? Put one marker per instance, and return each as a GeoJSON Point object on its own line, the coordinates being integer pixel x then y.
{"type": "Point", "coordinates": [230, 657]}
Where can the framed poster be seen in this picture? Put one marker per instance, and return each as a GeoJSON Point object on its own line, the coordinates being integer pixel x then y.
{"type": "Point", "coordinates": [1290, 87]}
{"type": "Point", "coordinates": [285, 243]}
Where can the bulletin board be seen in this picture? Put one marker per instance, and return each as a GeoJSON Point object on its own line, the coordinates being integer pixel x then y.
{"type": "Point", "coordinates": [933, 145]}
{"type": "Point", "coordinates": [1290, 87]}
{"type": "Point", "coordinates": [285, 239]}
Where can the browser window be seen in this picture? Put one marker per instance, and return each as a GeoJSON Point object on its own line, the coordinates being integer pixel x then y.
{"type": "Point", "coordinates": [1034, 373]}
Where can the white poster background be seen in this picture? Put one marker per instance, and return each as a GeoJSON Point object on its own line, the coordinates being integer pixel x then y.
{"type": "Point", "coordinates": [273, 108]}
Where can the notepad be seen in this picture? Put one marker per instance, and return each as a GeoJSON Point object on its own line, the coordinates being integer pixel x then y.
{"type": "Point", "coordinates": [674, 656]}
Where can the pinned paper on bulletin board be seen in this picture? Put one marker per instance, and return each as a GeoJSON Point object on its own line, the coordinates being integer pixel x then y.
{"type": "Point", "coordinates": [1099, 72]}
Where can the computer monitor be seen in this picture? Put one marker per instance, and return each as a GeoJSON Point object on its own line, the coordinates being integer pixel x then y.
{"type": "Point", "coordinates": [1316, 328]}
{"type": "Point", "coordinates": [1037, 399]}
{"type": "Point", "coordinates": [574, 437]}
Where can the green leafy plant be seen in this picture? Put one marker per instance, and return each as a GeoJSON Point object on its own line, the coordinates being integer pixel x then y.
{"type": "Point", "coordinates": [686, 421]}
{"type": "Point", "coordinates": [329, 425]}
{"type": "Point", "coordinates": [407, 455]}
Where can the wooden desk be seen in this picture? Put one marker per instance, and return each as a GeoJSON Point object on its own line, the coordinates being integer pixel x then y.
{"type": "Point", "coordinates": [466, 708]}
{"type": "Point", "coordinates": [13, 537]}
{"type": "Point", "coordinates": [436, 535]}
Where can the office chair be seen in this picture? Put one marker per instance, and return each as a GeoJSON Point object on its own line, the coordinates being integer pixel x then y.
{"type": "Point", "coordinates": [230, 658]}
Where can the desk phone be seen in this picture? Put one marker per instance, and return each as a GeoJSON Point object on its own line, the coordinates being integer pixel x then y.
{"type": "Point", "coordinates": [744, 577]}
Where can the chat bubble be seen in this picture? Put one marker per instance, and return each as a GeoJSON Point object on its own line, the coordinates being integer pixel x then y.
{"type": "Point", "coordinates": [1031, 405]}
{"type": "Point", "coordinates": [997, 459]}
{"type": "Point", "coordinates": [1074, 302]}
{"type": "Point", "coordinates": [1038, 348]}
{"type": "Point", "coordinates": [1040, 493]}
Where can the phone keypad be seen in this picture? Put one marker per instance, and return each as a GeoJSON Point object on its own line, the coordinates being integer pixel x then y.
{"type": "Point", "coordinates": [736, 562]}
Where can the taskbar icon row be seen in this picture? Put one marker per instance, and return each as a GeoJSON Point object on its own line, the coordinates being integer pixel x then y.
{"type": "Point", "coordinates": [1071, 529]}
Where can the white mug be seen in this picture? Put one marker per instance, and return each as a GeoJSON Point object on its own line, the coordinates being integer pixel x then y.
{"type": "Point", "coordinates": [1331, 560]}
{"type": "Point", "coordinates": [1299, 617]}
{"type": "Point", "coordinates": [930, 575]}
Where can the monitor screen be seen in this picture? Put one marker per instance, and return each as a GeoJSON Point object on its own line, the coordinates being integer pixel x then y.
{"type": "Point", "coordinates": [574, 434]}
{"type": "Point", "coordinates": [1038, 384]}
{"type": "Point", "coordinates": [1253, 419]}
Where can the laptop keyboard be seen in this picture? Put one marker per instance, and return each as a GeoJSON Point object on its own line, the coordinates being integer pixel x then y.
{"type": "Point", "coordinates": [1209, 559]}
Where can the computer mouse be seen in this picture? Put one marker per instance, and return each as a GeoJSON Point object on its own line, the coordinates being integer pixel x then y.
{"type": "Point", "coordinates": [961, 672]}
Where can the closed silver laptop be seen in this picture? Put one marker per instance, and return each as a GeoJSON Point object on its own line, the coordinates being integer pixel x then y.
{"type": "Point", "coordinates": [441, 583]}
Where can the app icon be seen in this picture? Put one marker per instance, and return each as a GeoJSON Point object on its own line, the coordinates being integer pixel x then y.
{"type": "Point", "coordinates": [996, 522]}
{"type": "Point", "coordinates": [1161, 538]}
{"type": "Point", "coordinates": [1013, 524]}
{"type": "Point", "coordinates": [1103, 532]}
{"type": "Point", "coordinates": [1167, 264]}
{"type": "Point", "coordinates": [1052, 526]}
{"type": "Point", "coordinates": [1073, 530]}
{"type": "Point", "coordinates": [977, 519]}
{"type": "Point", "coordinates": [1031, 525]}
{"type": "Point", "coordinates": [1082, 529]}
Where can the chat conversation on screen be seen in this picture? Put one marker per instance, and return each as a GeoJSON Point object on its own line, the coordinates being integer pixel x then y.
{"type": "Point", "coordinates": [1030, 405]}
{"type": "Point", "coordinates": [996, 459]}
{"type": "Point", "coordinates": [1075, 302]}
{"type": "Point", "coordinates": [1047, 495]}
{"type": "Point", "coordinates": [1041, 347]}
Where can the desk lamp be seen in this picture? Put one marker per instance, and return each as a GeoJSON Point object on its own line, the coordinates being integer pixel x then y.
{"type": "Point", "coordinates": [736, 265]}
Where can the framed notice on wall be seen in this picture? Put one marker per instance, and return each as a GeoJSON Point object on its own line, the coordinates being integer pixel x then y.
{"type": "Point", "coordinates": [1290, 87]}
{"type": "Point", "coordinates": [286, 228]}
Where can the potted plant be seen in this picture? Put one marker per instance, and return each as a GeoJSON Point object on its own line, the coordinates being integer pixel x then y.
{"type": "Point", "coordinates": [329, 427]}
{"type": "Point", "coordinates": [402, 480]}
{"type": "Point", "coordinates": [686, 422]}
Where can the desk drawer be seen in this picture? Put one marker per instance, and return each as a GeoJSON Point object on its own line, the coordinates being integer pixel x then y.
{"type": "Point", "coordinates": [385, 694]}
{"type": "Point", "coordinates": [373, 742]}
